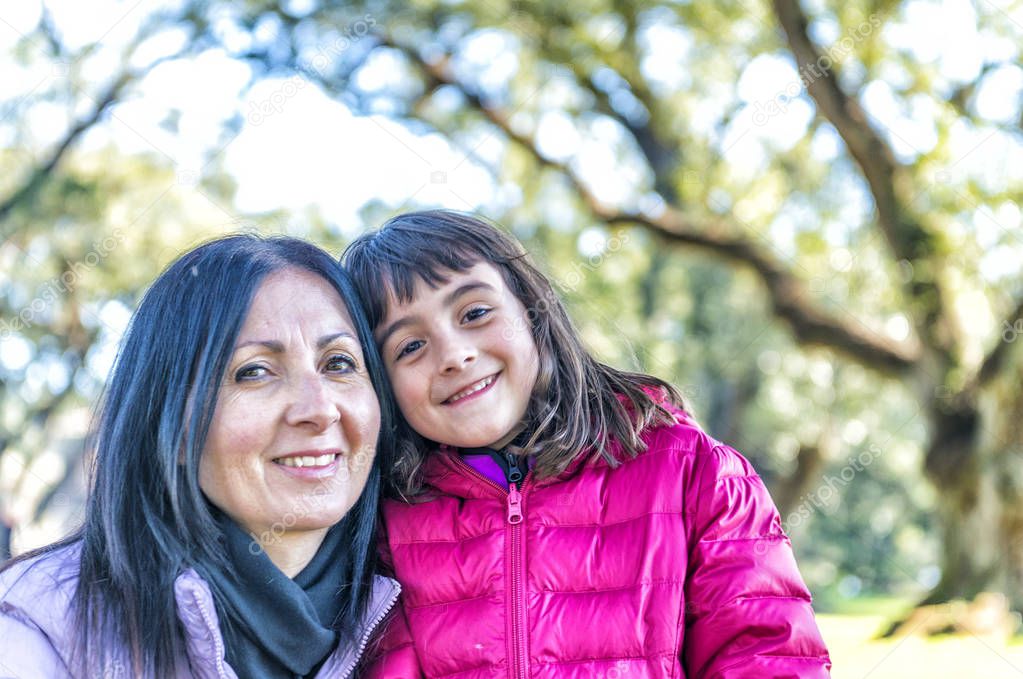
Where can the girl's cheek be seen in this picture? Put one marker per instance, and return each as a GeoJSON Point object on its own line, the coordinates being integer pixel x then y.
{"type": "Point", "coordinates": [412, 379]}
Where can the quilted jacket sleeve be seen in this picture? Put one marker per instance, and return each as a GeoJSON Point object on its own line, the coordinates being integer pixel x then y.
{"type": "Point", "coordinates": [748, 612]}
{"type": "Point", "coordinates": [394, 656]}
{"type": "Point", "coordinates": [25, 651]}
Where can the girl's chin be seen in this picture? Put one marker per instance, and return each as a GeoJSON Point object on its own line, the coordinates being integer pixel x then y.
{"type": "Point", "coordinates": [484, 442]}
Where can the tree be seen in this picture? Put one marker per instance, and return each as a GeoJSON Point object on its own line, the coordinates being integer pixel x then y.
{"type": "Point", "coordinates": [828, 167]}
{"type": "Point", "coordinates": [593, 67]}
{"type": "Point", "coordinates": [81, 234]}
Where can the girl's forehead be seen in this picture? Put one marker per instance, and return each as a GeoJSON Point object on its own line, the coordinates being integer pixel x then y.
{"type": "Point", "coordinates": [409, 286]}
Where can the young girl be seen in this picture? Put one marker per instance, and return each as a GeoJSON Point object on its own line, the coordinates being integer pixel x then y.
{"type": "Point", "coordinates": [557, 517]}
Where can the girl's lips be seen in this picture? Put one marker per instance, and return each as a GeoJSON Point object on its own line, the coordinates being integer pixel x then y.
{"type": "Point", "coordinates": [473, 391]}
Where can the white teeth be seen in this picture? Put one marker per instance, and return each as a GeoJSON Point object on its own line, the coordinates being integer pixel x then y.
{"type": "Point", "coordinates": [482, 384]}
{"type": "Point", "coordinates": [306, 460]}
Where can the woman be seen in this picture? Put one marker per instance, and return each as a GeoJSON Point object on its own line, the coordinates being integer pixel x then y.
{"type": "Point", "coordinates": [230, 525]}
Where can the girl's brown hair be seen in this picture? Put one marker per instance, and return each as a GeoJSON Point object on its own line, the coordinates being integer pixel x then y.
{"type": "Point", "coordinates": [578, 403]}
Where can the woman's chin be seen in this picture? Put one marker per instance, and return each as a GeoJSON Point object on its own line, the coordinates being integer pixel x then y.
{"type": "Point", "coordinates": [291, 524]}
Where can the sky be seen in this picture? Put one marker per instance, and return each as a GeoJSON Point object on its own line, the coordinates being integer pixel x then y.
{"type": "Point", "coordinates": [301, 149]}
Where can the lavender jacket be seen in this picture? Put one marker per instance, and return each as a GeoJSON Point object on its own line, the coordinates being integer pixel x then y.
{"type": "Point", "coordinates": [36, 625]}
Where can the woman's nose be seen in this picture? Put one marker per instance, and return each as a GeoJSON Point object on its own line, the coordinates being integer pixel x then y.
{"type": "Point", "coordinates": [313, 405]}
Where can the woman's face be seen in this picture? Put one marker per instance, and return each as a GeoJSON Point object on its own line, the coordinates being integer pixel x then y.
{"type": "Point", "coordinates": [295, 427]}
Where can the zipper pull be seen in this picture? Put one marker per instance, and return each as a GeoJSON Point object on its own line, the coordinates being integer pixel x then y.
{"type": "Point", "coordinates": [514, 505]}
{"type": "Point", "coordinates": [514, 471]}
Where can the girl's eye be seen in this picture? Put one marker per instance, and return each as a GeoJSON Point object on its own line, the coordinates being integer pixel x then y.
{"type": "Point", "coordinates": [409, 348]}
{"type": "Point", "coordinates": [475, 314]}
{"type": "Point", "coordinates": [249, 373]}
{"type": "Point", "coordinates": [341, 363]}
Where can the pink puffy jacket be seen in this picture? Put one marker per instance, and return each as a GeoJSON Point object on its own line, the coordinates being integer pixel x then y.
{"type": "Point", "coordinates": [672, 565]}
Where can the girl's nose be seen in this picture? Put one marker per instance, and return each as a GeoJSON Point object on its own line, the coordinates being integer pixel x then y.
{"type": "Point", "coordinates": [457, 356]}
{"type": "Point", "coordinates": [312, 405]}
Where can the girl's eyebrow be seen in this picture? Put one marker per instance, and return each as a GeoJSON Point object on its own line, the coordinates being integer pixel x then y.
{"type": "Point", "coordinates": [448, 300]}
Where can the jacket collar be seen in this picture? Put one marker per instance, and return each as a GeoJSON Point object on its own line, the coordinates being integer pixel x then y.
{"type": "Point", "coordinates": [204, 642]}
{"type": "Point", "coordinates": [446, 472]}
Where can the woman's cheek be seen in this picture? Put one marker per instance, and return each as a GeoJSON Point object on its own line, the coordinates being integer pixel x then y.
{"type": "Point", "coordinates": [245, 423]}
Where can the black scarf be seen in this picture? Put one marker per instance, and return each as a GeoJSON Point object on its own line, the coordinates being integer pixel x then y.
{"type": "Point", "coordinates": [275, 626]}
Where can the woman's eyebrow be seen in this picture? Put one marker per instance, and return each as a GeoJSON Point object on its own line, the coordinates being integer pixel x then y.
{"type": "Point", "coordinates": [273, 345]}
{"type": "Point", "coordinates": [327, 339]}
{"type": "Point", "coordinates": [278, 347]}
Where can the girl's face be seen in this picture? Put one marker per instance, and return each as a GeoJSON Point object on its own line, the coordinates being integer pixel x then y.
{"type": "Point", "coordinates": [461, 358]}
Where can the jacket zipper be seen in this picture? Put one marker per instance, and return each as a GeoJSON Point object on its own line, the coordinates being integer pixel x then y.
{"type": "Point", "coordinates": [515, 517]}
{"type": "Point", "coordinates": [218, 641]}
{"type": "Point", "coordinates": [520, 661]}
{"type": "Point", "coordinates": [347, 670]}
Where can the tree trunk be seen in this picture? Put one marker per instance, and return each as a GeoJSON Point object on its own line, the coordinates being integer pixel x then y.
{"type": "Point", "coordinates": [975, 461]}
{"type": "Point", "coordinates": [969, 512]}
{"type": "Point", "coordinates": [810, 462]}
{"type": "Point", "coordinates": [968, 507]}
{"type": "Point", "coordinates": [1003, 437]}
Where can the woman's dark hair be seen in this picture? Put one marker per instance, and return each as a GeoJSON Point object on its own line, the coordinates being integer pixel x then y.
{"type": "Point", "coordinates": [578, 403]}
{"type": "Point", "coordinates": [146, 518]}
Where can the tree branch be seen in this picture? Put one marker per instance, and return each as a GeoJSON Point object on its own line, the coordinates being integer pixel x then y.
{"type": "Point", "coordinates": [888, 180]}
{"type": "Point", "coordinates": [1008, 332]}
{"type": "Point", "coordinates": [870, 152]}
{"type": "Point", "coordinates": [38, 175]}
{"type": "Point", "coordinates": [789, 298]}
{"type": "Point", "coordinates": [42, 171]}
{"type": "Point", "coordinates": [662, 155]}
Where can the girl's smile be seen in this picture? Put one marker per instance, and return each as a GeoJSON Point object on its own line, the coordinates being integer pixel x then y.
{"type": "Point", "coordinates": [461, 358]}
{"type": "Point", "coordinates": [474, 389]}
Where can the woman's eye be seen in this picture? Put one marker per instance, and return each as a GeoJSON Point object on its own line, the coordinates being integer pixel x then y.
{"type": "Point", "coordinates": [250, 372]}
{"type": "Point", "coordinates": [341, 363]}
{"type": "Point", "coordinates": [475, 313]}
{"type": "Point", "coordinates": [409, 348]}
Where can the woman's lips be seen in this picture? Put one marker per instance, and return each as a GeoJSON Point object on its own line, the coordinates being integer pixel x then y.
{"type": "Point", "coordinates": [309, 466]}
{"type": "Point", "coordinates": [321, 460]}
{"type": "Point", "coordinates": [473, 390]}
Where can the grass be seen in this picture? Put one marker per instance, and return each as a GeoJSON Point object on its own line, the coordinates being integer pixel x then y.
{"type": "Point", "coordinates": [857, 654]}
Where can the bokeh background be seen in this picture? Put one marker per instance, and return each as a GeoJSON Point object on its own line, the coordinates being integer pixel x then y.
{"type": "Point", "coordinates": [804, 214]}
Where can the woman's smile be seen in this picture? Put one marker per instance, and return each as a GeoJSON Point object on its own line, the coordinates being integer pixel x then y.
{"type": "Point", "coordinates": [307, 459]}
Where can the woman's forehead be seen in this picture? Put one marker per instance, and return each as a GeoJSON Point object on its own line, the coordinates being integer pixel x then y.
{"type": "Point", "coordinates": [292, 296]}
